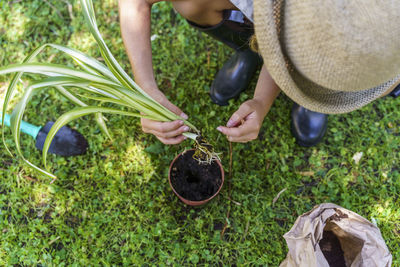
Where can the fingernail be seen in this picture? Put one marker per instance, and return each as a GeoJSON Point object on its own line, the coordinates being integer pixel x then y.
{"type": "Point", "coordinates": [180, 122]}
{"type": "Point", "coordinates": [232, 121]}
{"type": "Point", "coordinates": [185, 128]}
{"type": "Point", "coordinates": [219, 129]}
{"type": "Point", "coordinates": [184, 137]}
{"type": "Point", "coordinates": [183, 115]}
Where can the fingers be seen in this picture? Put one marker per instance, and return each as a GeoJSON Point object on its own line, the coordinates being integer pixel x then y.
{"type": "Point", "coordinates": [170, 134]}
{"type": "Point", "coordinates": [161, 127]}
{"type": "Point", "coordinates": [166, 132]}
{"type": "Point", "coordinates": [239, 115]}
{"type": "Point", "coordinates": [244, 133]}
{"type": "Point", "coordinates": [244, 125]}
{"type": "Point", "coordinates": [172, 141]}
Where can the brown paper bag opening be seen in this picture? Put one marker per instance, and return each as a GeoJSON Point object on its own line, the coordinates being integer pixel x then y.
{"type": "Point", "coordinates": [330, 235]}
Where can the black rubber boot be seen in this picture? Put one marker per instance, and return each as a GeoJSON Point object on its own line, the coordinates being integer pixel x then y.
{"type": "Point", "coordinates": [308, 127]}
{"type": "Point", "coordinates": [396, 92]}
{"type": "Point", "coordinates": [234, 77]}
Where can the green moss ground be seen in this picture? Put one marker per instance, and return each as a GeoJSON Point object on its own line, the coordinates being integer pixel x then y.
{"type": "Point", "coordinates": [113, 206]}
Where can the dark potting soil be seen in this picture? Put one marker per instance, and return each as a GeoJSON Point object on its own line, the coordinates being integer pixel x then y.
{"type": "Point", "coordinates": [330, 247]}
{"type": "Point", "coordinates": [193, 180]}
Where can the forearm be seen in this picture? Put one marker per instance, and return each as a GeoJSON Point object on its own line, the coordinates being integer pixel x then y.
{"type": "Point", "coordinates": [266, 89]}
{"type": "Point", "coordinates": [135, 30]}
{"type": "Point", "coordinates": [135, 18]}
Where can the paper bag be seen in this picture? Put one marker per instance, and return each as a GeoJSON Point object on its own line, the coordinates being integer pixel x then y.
{"type": "Point", "coordinates": [330, 233]}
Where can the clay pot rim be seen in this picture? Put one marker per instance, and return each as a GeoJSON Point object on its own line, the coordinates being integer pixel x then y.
{"type": "Point", "coordinates": [192, 202]}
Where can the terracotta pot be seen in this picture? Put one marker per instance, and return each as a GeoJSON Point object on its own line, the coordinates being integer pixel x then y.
{"type": "Point", "coordinates": [191, 202]}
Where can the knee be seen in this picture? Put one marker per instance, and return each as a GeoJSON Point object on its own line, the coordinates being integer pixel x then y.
{"type": "Point", "coordinates": [198, 13]}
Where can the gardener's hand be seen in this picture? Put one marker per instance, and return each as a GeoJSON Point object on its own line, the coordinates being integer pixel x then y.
{"type": "Point", "coordinates": [244, 125]}
{"type": "Point", "coordinates": [169, 133]}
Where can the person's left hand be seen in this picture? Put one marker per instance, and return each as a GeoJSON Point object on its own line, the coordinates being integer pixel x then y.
{"type": "Point", "coordinates": [244, 125]}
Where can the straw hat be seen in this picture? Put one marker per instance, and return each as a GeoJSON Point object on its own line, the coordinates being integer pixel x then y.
{"type": "Point", "coordinates": [330, 56]}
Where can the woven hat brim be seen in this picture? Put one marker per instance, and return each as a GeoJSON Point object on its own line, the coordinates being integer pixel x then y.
{"type": "Point", "coordinates": [268, 21]}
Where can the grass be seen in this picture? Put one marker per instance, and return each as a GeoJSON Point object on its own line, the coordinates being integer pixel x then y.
{"type": "Point", "coordinates": [113, 206]}
{"type": "Point", "coordinates": [109, 84]}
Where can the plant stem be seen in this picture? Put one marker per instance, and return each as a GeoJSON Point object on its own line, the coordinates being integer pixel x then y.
{"type": "Point", "coordinates": [229, 190]}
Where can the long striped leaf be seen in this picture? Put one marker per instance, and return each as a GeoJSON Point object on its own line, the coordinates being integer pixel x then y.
{"type": "Point", "coordinates": [46, 68]}
{"type": "Point", "coordinates": [103, 83]}
{"type": "Point", "coordinates": [18, 112]}
{"type": "Point", "coordinates": [86, 60]}
{"type": "Point", "coordinates": [100, 120]}
{"type": "Point", "coordinates": [74, 114]}
{"type": "Point", "coordinates": [11, 89]}
{"type": "Point", "coordinates": [133, 99]}
{"type": "Point", "coordinates": [112, 63]}
{"type": "Point", "coordinates": [77, 55]}
{"type": "Point", "coordinates": [99, 117]}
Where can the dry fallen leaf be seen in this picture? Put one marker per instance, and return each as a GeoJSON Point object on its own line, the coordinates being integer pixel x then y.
{"type": "Point", "coordinates": [277, 196]}
{"type": "Point", "coordinates": [357, 157]}
{"type": "Point", "coordinates": [153, 37]}
{"type": "Point", "coordinates": [307, 173]}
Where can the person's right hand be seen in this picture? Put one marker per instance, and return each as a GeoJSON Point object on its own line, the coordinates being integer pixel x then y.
{"type": "Point", "coordinates": [170, 133]}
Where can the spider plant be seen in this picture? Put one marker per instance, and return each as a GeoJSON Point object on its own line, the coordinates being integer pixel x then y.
{"type": "Point", "coordinates": [90, 80]}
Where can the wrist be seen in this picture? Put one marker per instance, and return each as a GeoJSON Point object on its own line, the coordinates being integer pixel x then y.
{"type": "Point", "coordinates": [266, 98]}
{"type": "Point", "coordinates": [148, 85]}
{"type": "Point", "coordinates": [150, 88]}
{"type": "Point", "coordinates": [263, 104]}
{"type": "Point", "coordinates": [153, 91]}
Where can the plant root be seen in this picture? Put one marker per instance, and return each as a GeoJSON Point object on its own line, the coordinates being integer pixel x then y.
{"type": "Point", "coordinates": [204, 153]}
